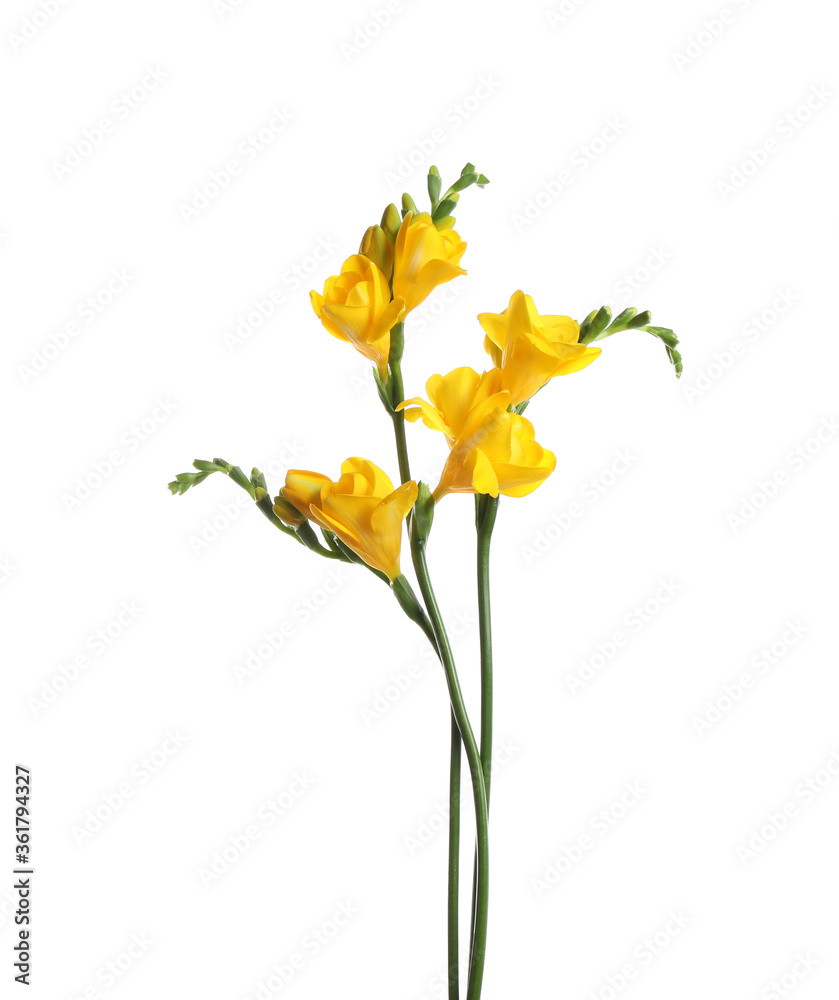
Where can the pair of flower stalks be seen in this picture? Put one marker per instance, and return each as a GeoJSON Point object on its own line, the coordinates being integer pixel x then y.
{"type": "Point", "coordinates": [492, 451]}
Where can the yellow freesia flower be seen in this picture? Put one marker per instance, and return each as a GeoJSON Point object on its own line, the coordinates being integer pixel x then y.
{"type": "Point", "coordinates": [362, 509]}
{"type": "Point", "coordinates": [424, 257]}
{"type": "Point", "coordinates": [356, 307]}
{"type": "Point", "coordinates": [531, 349]}
{"type": "Point", "coordinates": [492, 450]}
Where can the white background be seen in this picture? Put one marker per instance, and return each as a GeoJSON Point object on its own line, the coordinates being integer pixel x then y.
{"type": "Point", "coordinates": [709, 203]}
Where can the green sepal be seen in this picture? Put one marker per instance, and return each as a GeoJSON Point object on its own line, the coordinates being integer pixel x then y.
{"type": "Point", "coordinates": [307, 536]}
{"type": "Point", "coordinates": [585, 326]}
{"type": "Point", "coordinates": [423, 513]}
{"type": "Point", "coordinates": [435, 186]}
{"type": "Point", "coordinates": [599, 322]}
{"type": "Point", "coordinates": [408, 205]}
{"type": "Point", "coordinates": [446, 207]}
{"type": "Point", "coordinates": [404, 594]}
{"type": "Point", "coordinates": [465, 181]}
{"type": "Point", "coordinates": [383, 387]}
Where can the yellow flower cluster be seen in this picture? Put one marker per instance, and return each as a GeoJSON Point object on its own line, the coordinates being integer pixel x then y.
{"type": "Point", "coordinates": [492, 447]}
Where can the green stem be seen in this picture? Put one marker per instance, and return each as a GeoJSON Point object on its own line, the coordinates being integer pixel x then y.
{"type": "Point", "coordinates": [409, 604]}
{"type": "Point", "coordinates": [443, 649]}
{"type": "Point", "coordinates": [454, 863]}
{"type": "Point", "coordinates": [473, 757]}
{"type": "Point", "coordinates": [486, 510]}
{"type": "Point", "coordinates": [485, 527]}
{"type": "Point", "coordinates": [399, 429]}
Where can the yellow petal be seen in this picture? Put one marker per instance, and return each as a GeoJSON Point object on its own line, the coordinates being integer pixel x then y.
{"type": "Point", "coordinates": [453, 395]}
{"type": "Point", "coordinates": [433, 274]}
{"type": "Point", "coordinates": [379, 485]}
{"type": "Point", "coordinates": [484, 478]}
{"type": "Point", "coordinates": [303, 489]}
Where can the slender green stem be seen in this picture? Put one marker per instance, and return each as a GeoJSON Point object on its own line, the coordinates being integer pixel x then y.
{"type": "Point", "coordinates": [409, 604]}
{"type": "Point", "coordinates": [485, 527]}
{"type": "Point", "coordinates": [473, 757]}
{"type": "Point", "coordinates": [486, 509]}
{"type": "Point", "coordinates": [443, 649]}
{"type": "Point", "coordinates": [399, 425]}
{"type": "Point", "coordinates": [397, 394]}
{"type": "Point", "coordinates": [454, 863]}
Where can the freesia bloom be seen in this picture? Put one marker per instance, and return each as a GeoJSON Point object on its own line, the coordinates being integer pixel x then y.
{"type": "Point", "coordinates": [356, 307]}
{"type": "Point", "coordinates": [531, 349]}
{"type": "Point", "coordinates": [492, 450]}
{"type": "Point", "coordinates": [362, 509]}
{"type": "Point", "coordinates": [424, 257]}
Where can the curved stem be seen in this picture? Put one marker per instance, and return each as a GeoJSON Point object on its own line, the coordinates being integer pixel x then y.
{"type": "Point", "coordinates": [473, 757]}
{"type": "Point", "coordinates": [405, 596]}
{"type": "Point", "coordinates": [443, 649]}
{"type": "Point", "coordinates": [454, 863]}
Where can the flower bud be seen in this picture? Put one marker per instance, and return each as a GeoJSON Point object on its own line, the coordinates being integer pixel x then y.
{"type": "Point", "coordinates": [287, 513]}
{"type": "Point", "coordinates": [391, 221]}
{"type": "Point", "coordinates": [375, 246]}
